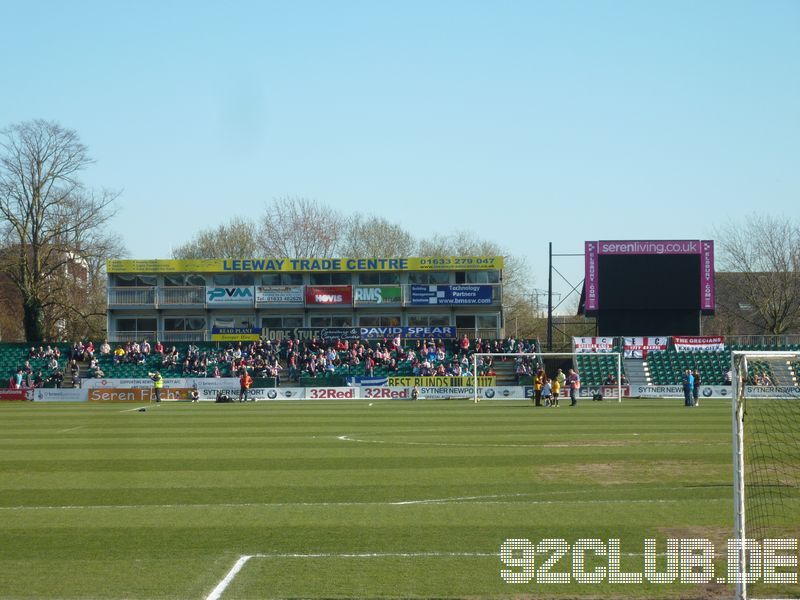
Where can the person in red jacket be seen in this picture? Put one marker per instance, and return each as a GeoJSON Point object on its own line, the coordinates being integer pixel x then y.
{"type": "Point", "coordinates": [245, 381]}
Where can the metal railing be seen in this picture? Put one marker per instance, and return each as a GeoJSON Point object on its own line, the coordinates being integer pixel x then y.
{"type": "Point", "coordinates": [132, 336]}
{"type": "Point", "coordinates": [131, 296]}
{"type": "Point", "coordinates": [362, 295]}
{"type": "Point", "coordinates": [192, 295]}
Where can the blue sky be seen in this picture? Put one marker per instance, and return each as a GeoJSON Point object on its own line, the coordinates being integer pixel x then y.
{"type": "Point", "coordinates": [525, 122]}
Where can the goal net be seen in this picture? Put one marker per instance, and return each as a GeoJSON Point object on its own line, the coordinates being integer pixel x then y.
{"type": "Point", "coordinates": [592, 367]}
{"type": "Point", "coordinates": [766, 453]}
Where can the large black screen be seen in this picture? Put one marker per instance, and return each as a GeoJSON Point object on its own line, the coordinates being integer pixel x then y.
{"type": "Point", "coordinates": [649, 281]}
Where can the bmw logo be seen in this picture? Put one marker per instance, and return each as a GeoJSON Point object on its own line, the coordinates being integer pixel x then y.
{"type": "Point", "coordinates": [272, 394]}
{"type": "Point", "coordinates": [489, 393]}
{"type": "Point", "coordinates": [707, 392]}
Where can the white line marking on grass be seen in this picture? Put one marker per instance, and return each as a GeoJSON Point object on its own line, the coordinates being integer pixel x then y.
{"type": "Point", "coordinates": [577, 444]}
{"type": "Point", "coordinates": [217, 592]}
{"type": "Point", "coordinates": [464, 500]}
{"type": "Point", "coordinates": [132, 409]}
{"type": "Point", "coordinates": [71, 429]}
{"type": "Point", "coordinates": [220, 588]}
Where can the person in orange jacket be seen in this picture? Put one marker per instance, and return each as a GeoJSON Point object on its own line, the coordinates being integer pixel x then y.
{"type": "Point", "coordinates": [245, 381]}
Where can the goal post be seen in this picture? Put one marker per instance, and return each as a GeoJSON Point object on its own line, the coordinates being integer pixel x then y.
{"type": "Point", "coordinates": [766, 452]}
{"type": "Point", "coordinates": [539, 357]}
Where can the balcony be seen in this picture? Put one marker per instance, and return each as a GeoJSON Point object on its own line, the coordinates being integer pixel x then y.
{"type": "Point", "coordinates": [181, 296]}
{"type": "Point", "coordinates": [132, 296]}
{"type": "Point", "coordinates": [464, 295]}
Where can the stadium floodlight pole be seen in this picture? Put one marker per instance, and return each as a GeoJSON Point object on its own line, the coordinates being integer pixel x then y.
{"type": "Point", "coordinates": [550, 301]}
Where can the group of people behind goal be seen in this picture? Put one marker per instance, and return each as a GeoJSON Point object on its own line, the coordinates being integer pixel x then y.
{"type": "Point", "coordinates": [547, 390]}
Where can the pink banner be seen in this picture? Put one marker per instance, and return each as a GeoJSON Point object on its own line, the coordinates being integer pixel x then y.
{"type": "Point", "coordinates": [592, 295]}
{"type": "Point", "coordinates": [707, 296]}
{"type": "Point", "coordinates": [650, 247]}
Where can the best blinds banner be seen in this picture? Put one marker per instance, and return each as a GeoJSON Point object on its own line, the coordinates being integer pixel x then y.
{"type": "Point", "coordinates": [638, 347]}
{"type": "Point", "coordinates": [695, 344]}
{"type": "Point", "coordinates": [593, 250]}
{"type": "Point", "coordinates": [451, 294]}
{"type": "Point", "coordinates": [593, 344]}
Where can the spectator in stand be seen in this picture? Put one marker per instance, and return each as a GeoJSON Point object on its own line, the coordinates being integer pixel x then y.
{"type": "Point", "coordinates": [88, 351]}
{"type": "Point", "coordinates": [52, 364]}
{"type": "Point", "coordinates": [145, 348]}
{"type": "Point", "coordinates": [159, 347]}
{"type": "Point", "coordinates": [56, 378]}
{"type": "Point", "coordinates": [728, 378]}
{"type": "Point", "coordinates": [38, 381]}
{"type": "Point", "coordinates": [464, 345]}
{"type": "Point", "coordinates": [119, 355]}
{"type": "Point", "coordinates": [17, 379]}
{"type": "Point", "coordinates": [369, 366]}
{"type": "Point", "coordinates": [610, 380]}
{"type": "Point", "coordinates": [105, 348]}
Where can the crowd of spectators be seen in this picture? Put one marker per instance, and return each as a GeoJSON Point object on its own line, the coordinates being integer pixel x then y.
{"type": "Point", "coordinates": [264, 358]}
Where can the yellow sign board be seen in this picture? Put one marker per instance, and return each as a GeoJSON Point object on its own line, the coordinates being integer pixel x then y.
{"type": "Point", "coordinates": [440, 381]}
{"type": "Point", "coordinates": [306, 265]}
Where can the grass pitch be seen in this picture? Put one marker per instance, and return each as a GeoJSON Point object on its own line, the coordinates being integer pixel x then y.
{"type": "Point", "coordinates": [347, 500]}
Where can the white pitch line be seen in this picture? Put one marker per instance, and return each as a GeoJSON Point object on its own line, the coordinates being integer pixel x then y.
{"type": "Point", "coordinates": [220, 588]}
{"type": "Point", "coordinates": [443, 501]}
{"type": "Point", "coordinates": [217, 592]}
{"type": "Point", "coordinates": [72, 429]}
{"type": "Point", "coordinates": [347, 438]}
{"type": "Point", "coordinates": [132, 409]}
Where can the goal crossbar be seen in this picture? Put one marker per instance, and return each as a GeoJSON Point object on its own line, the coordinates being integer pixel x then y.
{"type": "Point", "coordinates": [543, 355]}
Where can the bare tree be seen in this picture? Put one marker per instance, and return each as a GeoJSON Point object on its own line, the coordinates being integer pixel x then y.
{"type": "Point", "coordinates": [375, 237]}
{"type": "Point", "coordinates": [763, 253]}
{"type": "Point", "coordinates": [51, 223]}
{"type": "Point", "coordinates": [236, 239]}
{"type": "Point", "coordinates": [300, 228]}
{"type": "Point", "coordinates": [518, 307]}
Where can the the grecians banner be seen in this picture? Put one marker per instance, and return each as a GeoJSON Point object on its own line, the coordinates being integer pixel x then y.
{"type": "Point", "coordinates": [695, 344]}
{"type": "Point", "coordinates": [638, 347]}
{"type": "Point", "coordinates": [593, 344]}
